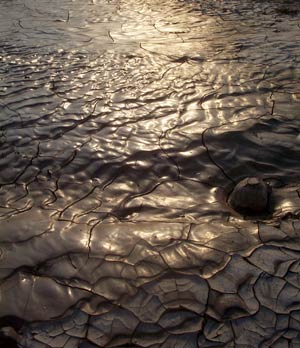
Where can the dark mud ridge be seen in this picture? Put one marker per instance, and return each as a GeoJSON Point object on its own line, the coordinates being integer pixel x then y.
{"type": "Point", "coordinates": [127, 129]}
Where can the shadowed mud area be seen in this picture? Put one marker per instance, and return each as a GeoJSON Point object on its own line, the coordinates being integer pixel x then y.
{"type": "Point", "coordinates": [124, 125]}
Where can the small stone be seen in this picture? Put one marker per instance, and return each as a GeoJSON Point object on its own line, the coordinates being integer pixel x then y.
{"type": "Point", "coordinates": [250, 196]}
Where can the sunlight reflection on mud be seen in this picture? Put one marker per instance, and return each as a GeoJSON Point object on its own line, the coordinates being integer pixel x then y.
{"type": "Point", "coordinates": [124, 125]}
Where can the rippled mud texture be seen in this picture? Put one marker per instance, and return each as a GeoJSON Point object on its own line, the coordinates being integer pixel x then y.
{"type": "Point", "coordinates": [124, 127]}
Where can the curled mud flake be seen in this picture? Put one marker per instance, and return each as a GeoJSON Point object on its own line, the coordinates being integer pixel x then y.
{"type": "Point", "coordinates": [250, 196]}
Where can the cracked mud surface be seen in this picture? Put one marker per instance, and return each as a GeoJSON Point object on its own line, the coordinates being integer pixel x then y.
{"type": "Point", "coordinates": [123, 127]}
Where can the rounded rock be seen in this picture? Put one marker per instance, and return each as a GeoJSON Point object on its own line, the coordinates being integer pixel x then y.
{"type": "Point", "coordinates": [250, 196]}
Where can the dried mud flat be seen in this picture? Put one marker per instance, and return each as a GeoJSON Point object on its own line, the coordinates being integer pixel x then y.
{"type": "Point", "coordinates": [124, 125]}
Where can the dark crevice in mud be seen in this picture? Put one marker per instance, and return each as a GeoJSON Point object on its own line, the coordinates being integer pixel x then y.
{"type": "Point", "coordinates": [170, 158]}
{"type": "Point", "coordinates": [9, 328]}
{"type": "Point", "coordinates": [12, 321]}
{"type": "Point", "coordinates": [8, 342]}
{"type": "Point", "coordinates": [211, 158]}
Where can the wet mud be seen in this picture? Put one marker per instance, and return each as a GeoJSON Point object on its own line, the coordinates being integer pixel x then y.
{"type": "Point", "coordinates": [124, 127]}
